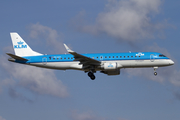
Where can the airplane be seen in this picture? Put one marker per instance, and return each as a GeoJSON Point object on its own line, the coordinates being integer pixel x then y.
{"type": "Point", "coordinates": [107, 63]}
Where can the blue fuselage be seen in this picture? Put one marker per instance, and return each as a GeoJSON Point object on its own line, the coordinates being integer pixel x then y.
{"type": "Point", "coordinates": [97, 56]}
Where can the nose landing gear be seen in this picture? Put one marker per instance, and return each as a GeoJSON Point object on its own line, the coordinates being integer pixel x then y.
{"type": "Point", "coordinates": [91, 75]}
{"type": "Point", "coordinates": [155, 68]}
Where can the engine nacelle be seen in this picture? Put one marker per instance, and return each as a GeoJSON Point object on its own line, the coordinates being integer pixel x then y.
{"type": "Point", "coordinates": [111, 68]}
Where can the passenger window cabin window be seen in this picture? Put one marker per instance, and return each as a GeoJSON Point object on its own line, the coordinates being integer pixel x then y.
{"type": "Point", "coordinates": [120, 56]}
{"type": "Point", "coordinates": [116, 56]}
{"type": "Point", "coordinates": [109, 56]}
{"type": "Point", "coordinates": [132, 56]}
{"type": "Point", "coordinates": [105, 56]}
{"type": "Point", "coordinates": [53, 58]}
{"type": "Point", "coordinates": [128, 56]}
{"type": "Point", "coordinates": [124, 56]}
{"type": "Point", "coordinates": [64, 58]}
{"type": "Point", "coordinates": [139, 56]}
{"type": "Point", "coordinates": [50, 58]}
{"type": "Point", "coordinates": [113, 56]}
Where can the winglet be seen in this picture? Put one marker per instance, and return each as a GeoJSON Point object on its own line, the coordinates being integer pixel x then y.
{"type": "Point", "coordinates": [67, 48]}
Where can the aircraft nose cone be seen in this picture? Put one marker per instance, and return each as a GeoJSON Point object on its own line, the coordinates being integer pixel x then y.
{"type": "Point", "coordinates": [171, 62]}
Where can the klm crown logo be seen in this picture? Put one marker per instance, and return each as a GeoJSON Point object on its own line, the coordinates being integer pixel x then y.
{"type": "Point", "coordinates": [110, 65]}
{"type": "Point", "coordinates": [140, 54]}
{"type": "Point", "coordinates": [20, 45]}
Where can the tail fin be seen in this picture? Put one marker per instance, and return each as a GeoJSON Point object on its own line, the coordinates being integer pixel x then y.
{"type": "Point", "coordinates": [21, 48]}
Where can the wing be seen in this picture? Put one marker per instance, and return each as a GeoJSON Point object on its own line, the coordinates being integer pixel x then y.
{"type": "Point", "coordinates": [86, 61]}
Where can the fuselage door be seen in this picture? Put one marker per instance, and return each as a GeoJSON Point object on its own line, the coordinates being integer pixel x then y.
{"type": "Point", "coordinates": [44, 60]}
{"type": "Point", "coordinates": [152, 57]}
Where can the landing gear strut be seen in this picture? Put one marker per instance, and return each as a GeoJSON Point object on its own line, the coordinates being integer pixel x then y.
{"type": "Point", "coordinates": [91, 75]}
{"type": "Point", "coordinates": [155, 73]}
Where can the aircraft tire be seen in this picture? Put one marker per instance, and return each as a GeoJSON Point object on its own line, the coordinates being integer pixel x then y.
{"type": "Point", "coordinates": [91, 75]}
{"type": "Point", "coordinates": [155, 73]}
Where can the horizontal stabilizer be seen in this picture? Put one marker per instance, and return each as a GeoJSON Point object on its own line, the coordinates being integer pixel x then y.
{"type": "Point", "coordinates": [17, 57]}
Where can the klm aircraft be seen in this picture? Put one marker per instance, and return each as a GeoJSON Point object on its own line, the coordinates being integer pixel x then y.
{"type": "Point", "coordinates": [107, 63]}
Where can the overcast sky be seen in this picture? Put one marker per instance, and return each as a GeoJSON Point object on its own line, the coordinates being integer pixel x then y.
{"type": "Point", "coordinates": [101, 26]}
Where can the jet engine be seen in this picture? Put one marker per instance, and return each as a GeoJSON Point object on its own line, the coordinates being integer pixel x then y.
{"type": "Point", "coordinates": [111, 68]}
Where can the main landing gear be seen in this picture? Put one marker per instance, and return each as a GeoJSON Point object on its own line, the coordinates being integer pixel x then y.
{"type": "Point", "coordinates": [91, 75]}
{"type": "Point", "coordinates": [155, 73]}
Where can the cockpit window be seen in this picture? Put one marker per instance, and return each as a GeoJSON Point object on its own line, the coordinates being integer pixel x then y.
{"type": "Point", "coordinates": [161, 55]}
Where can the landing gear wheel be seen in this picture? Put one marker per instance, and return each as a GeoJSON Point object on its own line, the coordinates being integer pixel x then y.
{"type": "Point", "coordinates": [155, 73]}
{"type": "Point", "coordinates": [155, 68]}
{"type": "Point", "coordinates": [91, 75]}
